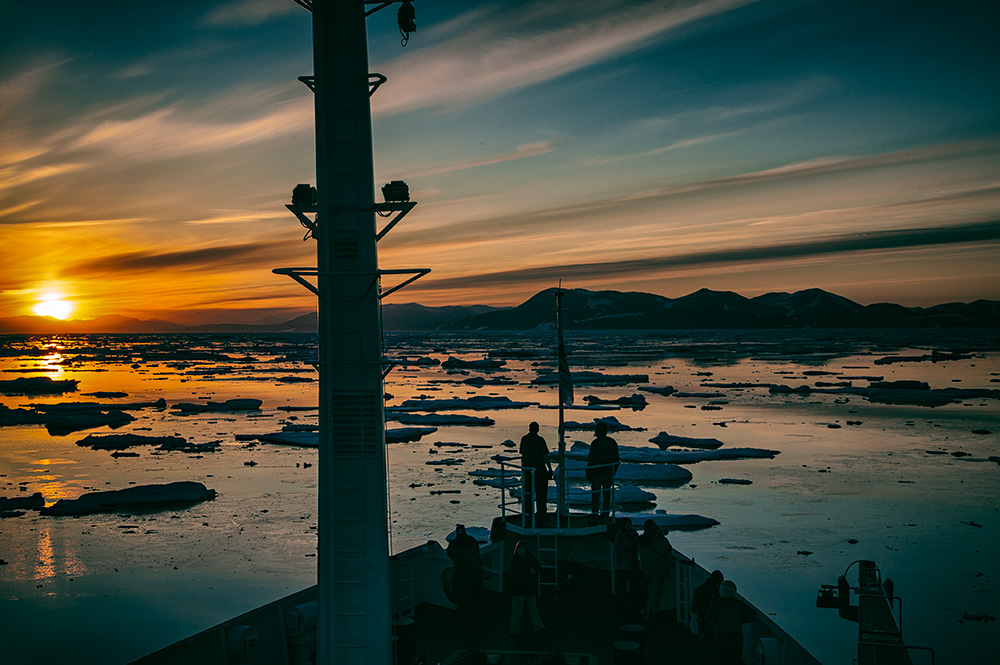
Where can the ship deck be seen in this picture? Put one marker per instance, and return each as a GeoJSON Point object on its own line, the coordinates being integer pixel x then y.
{"type": "Point", "coordinates": [583, 617]}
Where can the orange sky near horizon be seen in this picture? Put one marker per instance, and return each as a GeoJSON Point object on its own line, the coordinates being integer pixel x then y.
{"type": "Point", "coordinates": [723, 144]}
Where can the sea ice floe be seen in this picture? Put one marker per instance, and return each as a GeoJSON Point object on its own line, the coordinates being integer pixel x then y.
{"type": "Point", "coordinates": [139, 497]}
{"type": "Point", "coordinates": [914, 393]}
{"type": "Point", "coordinates": [485, 364]}
{"type": "Point", "coordinates": [480, 381]}
{"type": "Point", "coordinates": [207, 447]}
{"type": "Point", "coordinates": [613, 425]}
{"type": "Point", "coordinates": [125, 441]}
{"type": "Point", "coordinates": [67, 423]}
{"type": "Point", "coordinates": [493, 472]}
{"type": "Point", "coordinates": [67, 417]}
{"type": "Point", "coordinates": [37, 385]}
{"type": "Point", "coordinates": [649, 455]}
{"type": "Point", "coordinates": [641, 474]}
{"type": "Point", "coordinates": [439, 419]}
{"type": "Point", "coordinates": [36, 500]}
{"type": "Point", "coordinates": [229, 405]}
{"type": "Point", "coordinates": [475, 403]}
{"type": "Point", "coordinates": [664, 440]}
{"type": "Point", "coordinates": [670, 521]}
{"type": "Point", "coordinates": [299, 428]}
{"type": "Point", "coordinates": [311, 439]}
{"type": "Point", "coordinates": [625, 495]}
{"type": "Point", "coordinates": [73, 407]}
{"type": "Point", "coordinates": [659, 390]}
{"type": "Point", "coordinates": [445, 461]}
{"type": "Point", "coordinates": [587, 378]}
{"type": "Point", "coordinates": [635, 401]}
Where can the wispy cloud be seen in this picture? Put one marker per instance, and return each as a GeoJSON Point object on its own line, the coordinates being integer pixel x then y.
{"type": "Point", "coordinates": [493, 59]}
{"type": "Point", "coordinates": [244, 13]}
{"type": "Point", "coordinates": [644, 206]}
{"type": "Point", "coordinates": [840, 244]}
{"type": "Point", "coordinates": [524, 150]}
{"type": "Point", "coordinates": [217, 258]}
{"type": "Point", "coordinates": [241, 217]}
{"type": "Point", "coordinates": [16, 176]}
{"type": "Point", "coordinates": [841, 164]}
{"type": "Point", "coordinates": [670, 147]}
{"type": "Point", "coordinates": [170, 132]}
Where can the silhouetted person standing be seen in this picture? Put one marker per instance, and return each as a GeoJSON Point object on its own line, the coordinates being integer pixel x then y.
{"type": "Point", "coordinates": [655, 559]}
{"type": "Point", "coordinates": [467, 581]}
{"type": "Point", "coordinates": [704, 596]}
{"type": "Point", "coordinates": [537, 471]}
{"type": "Point", "coordinates": [602, 463]}
{"type": "Point", "coordinates": [522, 582]}
{"type": "Point", "coordinates": [727, 616]}
{"type": "Point", "coordinates": [626, 545]}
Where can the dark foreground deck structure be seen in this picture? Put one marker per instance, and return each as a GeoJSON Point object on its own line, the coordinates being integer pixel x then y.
{"type": "Point", "coordinates": [586, 623]}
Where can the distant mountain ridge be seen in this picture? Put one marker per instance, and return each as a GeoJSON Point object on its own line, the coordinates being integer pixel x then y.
{"type": "Point", "coordinates": [706, 309]}
{"type": "Point", "coordinates": [591, 310]}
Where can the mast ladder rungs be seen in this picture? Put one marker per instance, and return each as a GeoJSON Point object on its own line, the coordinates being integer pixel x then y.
{"type": "Point", "coordinates": [548, 559]}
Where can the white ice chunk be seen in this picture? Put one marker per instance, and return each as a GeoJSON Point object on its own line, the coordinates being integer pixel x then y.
{"type": "Point", "coordinates": [642, 474]}
{"type": "Point", "coordinates": [654, 455]}
{"type": "Point", "coordinates": [664, 440]}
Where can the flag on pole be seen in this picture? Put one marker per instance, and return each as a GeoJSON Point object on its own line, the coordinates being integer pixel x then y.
{"type": "Point", "coordinates": [565, 380]}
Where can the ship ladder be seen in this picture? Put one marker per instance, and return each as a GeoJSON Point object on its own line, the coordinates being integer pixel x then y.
{"type": "Point", "coordinates": [406, 588]}
{"type": "Point", "coordinates": [547, 546]}
{"type": "Point", "coordinates": [683, 591]}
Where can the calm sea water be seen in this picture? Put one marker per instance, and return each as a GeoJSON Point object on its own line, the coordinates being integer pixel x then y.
{"type": "Point", "coordinates": [909, 487]}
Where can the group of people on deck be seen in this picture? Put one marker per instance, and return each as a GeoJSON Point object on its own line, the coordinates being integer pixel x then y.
{"type": "Point", "coordinates": [720, 617]}
{"type": "Point", "coordinates": [602, 463]}
{"type": "Point", "coordinates": [521, 582]}
{"type": "Point", "coordinates": [643, 563]}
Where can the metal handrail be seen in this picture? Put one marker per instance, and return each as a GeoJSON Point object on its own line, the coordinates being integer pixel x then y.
{"type": "Point", "coordinates": [511, 467]}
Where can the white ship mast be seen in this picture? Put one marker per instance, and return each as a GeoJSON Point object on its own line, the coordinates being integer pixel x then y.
{"type": "Point", "coordinates": [355, 616]}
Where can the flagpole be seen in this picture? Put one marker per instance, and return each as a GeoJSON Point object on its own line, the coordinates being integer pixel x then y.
{"type": "Point", "coordinates": [565, 391]}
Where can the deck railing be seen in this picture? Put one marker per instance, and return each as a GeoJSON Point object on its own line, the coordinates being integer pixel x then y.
{"type": "Point", "coordinates": [514, 474]}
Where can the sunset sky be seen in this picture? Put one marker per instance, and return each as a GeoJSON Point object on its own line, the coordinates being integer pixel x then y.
{"type": "Point", "coordinates": [147, 151]}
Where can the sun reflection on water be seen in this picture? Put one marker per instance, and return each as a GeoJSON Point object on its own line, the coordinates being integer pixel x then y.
{"type": "Point", "coordinates": [54, 488]}
{"type": "Point", "coordinates": [53, 362]}
{"type": "Point", "coordinates": [53, 558]}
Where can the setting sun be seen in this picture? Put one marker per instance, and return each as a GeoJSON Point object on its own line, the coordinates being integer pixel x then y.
{"type": "Point", "coordinates": [57, 308]}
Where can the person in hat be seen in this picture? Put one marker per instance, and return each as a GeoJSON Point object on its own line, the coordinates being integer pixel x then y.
{"type": "Point", "coordinates": [627, 575]}
{"type": "Point", "coordinates": [522, 583]}
{"type": "Point", "coordinates": [726, 617]}
{"type": "Point", "coordinates": [704, 596]}
{"type": "Point", "coordinates": [467, 579]}
{"type": "Point", "coordinates": [656, 561]}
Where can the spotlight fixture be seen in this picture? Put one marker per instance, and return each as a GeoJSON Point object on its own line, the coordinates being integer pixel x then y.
{"type": "Point", "coordinates": [396, 191]}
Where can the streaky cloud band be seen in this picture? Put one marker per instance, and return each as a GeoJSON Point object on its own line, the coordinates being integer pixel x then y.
{"type": "Point", "coordinates": [840, 244]}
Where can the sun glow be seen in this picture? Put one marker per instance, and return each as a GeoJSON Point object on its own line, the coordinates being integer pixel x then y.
{"type": "Point", "coordinates": [55, 307]}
